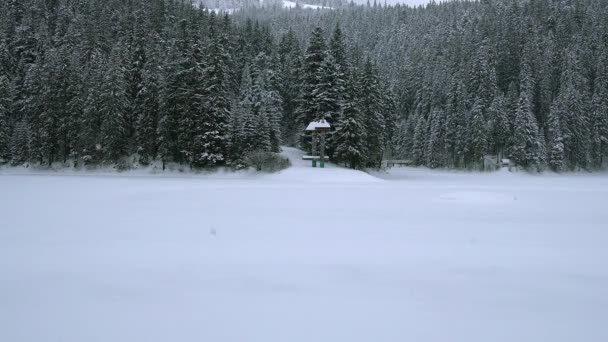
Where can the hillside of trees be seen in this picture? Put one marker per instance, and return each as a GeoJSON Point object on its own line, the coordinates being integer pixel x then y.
{"type": "Point", "coordinates": [96, 81]}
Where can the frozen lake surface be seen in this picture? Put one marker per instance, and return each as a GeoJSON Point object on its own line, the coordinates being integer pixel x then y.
{"type": "Point", "coordinates": [322, 255]}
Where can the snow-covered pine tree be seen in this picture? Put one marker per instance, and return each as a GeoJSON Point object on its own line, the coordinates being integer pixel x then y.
{"type": "Point", "coordinates": [555, 153]}
{"type": "Point", "coordinates": [435, 145]}
{"type": "Point", "coordinates": [289, 70]}
{"type": "Point", "coordinates": [329, 90]}
{"type": "Point", "coordinates": [5, 106]}
{"type": "Point", "coordinates": [477, 139]}
{"type": "Point", "coordinates": [455, 123]}
{"type": "Point", "coordinates": [148, 102]}
{"type": "Point", "coordinates": [271, 99]}
{"type": "Point", "coordinates": [329, 94]}
{"type": "Point", "coordinates": [134, 62]}
{"type": "Point", "coordinates": [212, 137]}
{"type": "Point", "coordinates": [406, 138]}
{"type": "Point", "coordinates": [572, 109]}
{"type": "Point", "coordinates": [308, 109]}
{"type": "Point", "coordinates": [247, 118]}
{"type": "Point", "coordinates": [525, 139]}
{"type": "Point", "coordinates": [88, 141]}
{"type": "Point", "coordinates": [499, 125]}
{"type": "Point", "coordinates": [599, 117]}
{"type": "Point", "coordinates": [391, 119]}
{"type": "Point", "coordinates": [337, 48]}
{"type": "Point", "coordinates": [483, 77]}
{"type": "Point", "coordinates": [261, 133]}
{"type": "Point", "coordinates": [273, 106]}
{"type": "Point", "coordinates": [71, 103]}
{"type": "Point", "coordinates": [524, 150]}
{"type": "Point", "coordinates": [242, 110]}
{"type": "Point", "coordinates": [176, 122]}
{"type": "Point", "coordinates": [20, 143]}
{"type": "Point", "coordinates": [420, 140]}
{"type": "Point", "coordinates": [371, 106]}
{"type": "Point", "coordinates": [350, 136]}
{"type": "Point", "coordinates": [113, 104]}
{"type": "Point", "coordinates": [42, 120]}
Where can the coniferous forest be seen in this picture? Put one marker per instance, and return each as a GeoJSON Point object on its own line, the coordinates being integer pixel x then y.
{"type": "Point", "coordinates": [97, 81]}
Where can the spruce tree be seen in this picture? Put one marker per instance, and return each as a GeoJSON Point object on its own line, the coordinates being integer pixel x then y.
{"type": "Point", "coordinates": [477, 140]}
{"type": "Point", "coordinates": [371, 106]}
{"type": "Point", "coordinates": [434, 150]}
{"type": "Point", "coordinates": [572, 109]}
{"type": "Point", "coordinates": [211, 139]}
{"type": "Point", "coordinates": [350, 135]}
{"type": "Point", "coordinates": [148, 102]}
{"type": "Point", "coordinates": [113, 105]}
{"type": "Point", "coordinates": [499, 127]}
{"type": "Point", "coordinates": [599, 116]}
{"type": "Point", "coordinates": [555, 154]}
{"type": "Point", "coordinates": [419, 141]}
{"type": "Point", "coordinates": [525, 142]}
{"type": "Point", "coordinates": [308, 107]}
{"type": "Point", "coordinates": [289, 69]}
{"type": "Point", "coordinates": [5, 105]}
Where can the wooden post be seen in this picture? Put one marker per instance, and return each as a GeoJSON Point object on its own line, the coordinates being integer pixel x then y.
{"type": "Point", "coordinates": [315, 141]}
{"type": "Point", "coordinates": [322, 153]}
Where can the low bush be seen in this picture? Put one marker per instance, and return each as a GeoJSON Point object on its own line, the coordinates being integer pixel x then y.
{"type": "Point", "coordinates": [266, 161]}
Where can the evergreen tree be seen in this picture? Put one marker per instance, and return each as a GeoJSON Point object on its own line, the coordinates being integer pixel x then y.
{"type": "Point", "coordinates": [555, 157]}
{"type": "Point", "coordinates": [113, 104]}
{"type": "Point", "coordinates": [572, 109]}
{"type": "Point", "coordinates": [5, 105]}
{"type": "Point", "coordinates": [371, 106]}
{"type": "Point", "coordinates": [148, 102]}
{"type": "Point", "coordinates": [477, 141]}
{"type": "Point", "coordinates": [455, 124]}
{"type": "Point", "coordinates": [211, 139]}
{"type": "Point", "coordinates": [524, 149]}
{"type": "Point", "coordinates": [420, 141]}
{"type": "Point", "coordinates": [308, 108]}
{"type": "Point", "coordinates": [350, 136]}
{"type": "Point", "coordinates": [499, 128]}
{"type": "Point", "coordinates": [289, 73]}
{"type": "Point", "coordinates": [434, 149]}
{"type": "Point", "coordinates": [599, 117]}
{"type": "Point", "coordinates": [20, 143]}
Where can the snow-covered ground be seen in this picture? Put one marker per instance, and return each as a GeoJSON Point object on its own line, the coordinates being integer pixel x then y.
{"type": "Point", "coordinates": [304, 255]}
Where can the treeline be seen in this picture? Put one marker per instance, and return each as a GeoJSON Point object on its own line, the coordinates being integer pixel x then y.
{"type": "Point", "coordinates": [527, 80]}
{"type": "Point", "coordinates": [94, 81]}
{"type": "Point", "coordinates": [97, 81]}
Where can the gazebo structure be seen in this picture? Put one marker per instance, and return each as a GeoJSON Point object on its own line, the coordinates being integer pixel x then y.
{"type": "Point", "coordinates": [318, 129]}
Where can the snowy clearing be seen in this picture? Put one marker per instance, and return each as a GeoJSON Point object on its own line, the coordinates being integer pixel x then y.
{"type": "Point", "coordinates": [293, 4]}
{"type": "Point", "coordinates": [304, 255]}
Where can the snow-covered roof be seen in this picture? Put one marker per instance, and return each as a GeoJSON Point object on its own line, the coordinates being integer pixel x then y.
{"type": "Point", "coordinates": [317, 124]}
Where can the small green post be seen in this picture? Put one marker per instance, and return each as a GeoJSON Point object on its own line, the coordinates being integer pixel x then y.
{"type": "Point", "coordinates": [314, 163]}
{"type": "Point", "coordinates": [322, 163]}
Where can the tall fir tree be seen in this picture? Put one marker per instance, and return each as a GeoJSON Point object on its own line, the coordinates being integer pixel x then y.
{"type": "Point", "coordinates": [555, 155]}
{"type": "Point", "coordinates": [113, 107]}
{"type": "Point", "coordinates": [434, 150]}
{"type": "Point", "coordinates": [308, 108]}
{"type": "Point", "coordinates": [477, 137]}
{"type": "Point", "coordinates": [371, 106]}
{"type": "Point", "coordinates": [5, 105]}
{"type": "Point", "coordinates": [350, 136]}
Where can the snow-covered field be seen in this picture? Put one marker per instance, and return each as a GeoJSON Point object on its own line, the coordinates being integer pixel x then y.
{"type": "Point", "coordinates": [304, 255]}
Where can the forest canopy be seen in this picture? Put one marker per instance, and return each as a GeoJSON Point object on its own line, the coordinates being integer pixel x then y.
{"type": "Point", "coordinates": [443, 85]}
